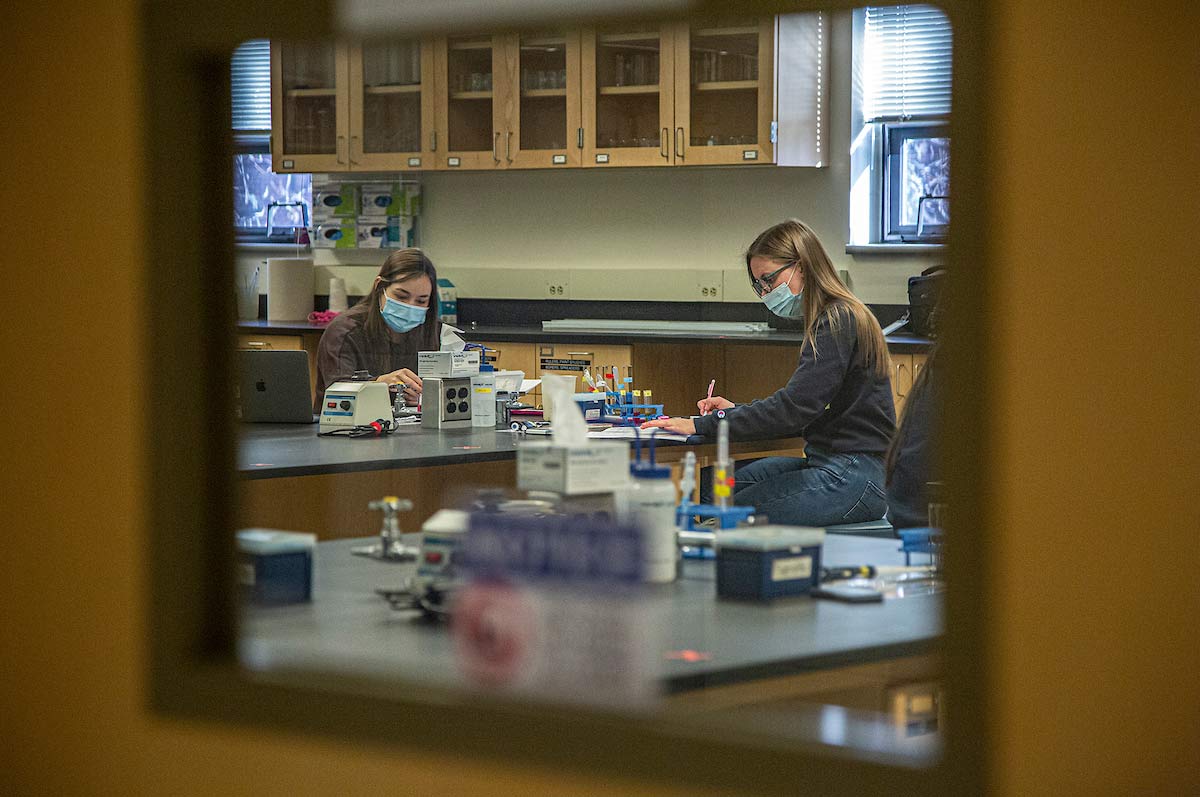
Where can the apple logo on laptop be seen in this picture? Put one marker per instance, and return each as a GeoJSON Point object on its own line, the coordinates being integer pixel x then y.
{"type": "Point", "coordinates": [260, 386]}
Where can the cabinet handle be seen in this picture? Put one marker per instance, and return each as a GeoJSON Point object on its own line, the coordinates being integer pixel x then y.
{"type": "Point", "coordinates": [257, 344]}
{"type": "Point", "coordinates": [495, 144]}
{"type": "Point", "coordinates": [433, 141]}
{"type": "Point", "coordinates": [662, 143]}
{"type": "Point", "coordinates": [350, 152]}
{"type": "Point", "coordinates": [581, 354]}
{"type": "Point", "coordinates": [508, 147]}
{"type": "Point", "coordinates": [338, 149]}
{"type": "Point", "coordinates": [579, 138]}
{"type": "Point", "coordinates": [679, 142]}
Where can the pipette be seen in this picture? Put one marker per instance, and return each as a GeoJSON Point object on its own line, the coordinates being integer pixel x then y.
{"type": "Point", "coordinates": [687, 484]}
{"type": "Point", "coordinates": [723, 470]}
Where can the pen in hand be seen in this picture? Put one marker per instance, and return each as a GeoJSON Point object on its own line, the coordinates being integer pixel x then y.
{"type": "Point", "coordinates": [711, 385]}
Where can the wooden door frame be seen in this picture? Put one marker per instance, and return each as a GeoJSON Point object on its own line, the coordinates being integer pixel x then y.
{"type": "Point", "coordinates": [572, 151]}
{"type": "Point", "coordinates": [483, 160]}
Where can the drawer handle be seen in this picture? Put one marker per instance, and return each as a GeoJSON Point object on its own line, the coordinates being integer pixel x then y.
{"type": "Point", "coordinates": [581, 354]}
{"type": "Point", "coordinates": [257, 344]}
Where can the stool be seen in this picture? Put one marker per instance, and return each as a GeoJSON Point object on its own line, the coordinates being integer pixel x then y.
{"type": "Point", "coordinates": [872, 528]}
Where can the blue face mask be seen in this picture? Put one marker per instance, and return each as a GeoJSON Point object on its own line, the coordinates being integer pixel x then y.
{"type": "Point", "coordinates": [402, 317]}
{"type": "Point", "coordinates": [782, 302]}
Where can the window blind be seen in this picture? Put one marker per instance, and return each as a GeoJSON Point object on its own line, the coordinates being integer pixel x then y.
{"type": "Point", "coordinates": [907, 63]}
{"type": "Point", "coordinates": [252, 86]}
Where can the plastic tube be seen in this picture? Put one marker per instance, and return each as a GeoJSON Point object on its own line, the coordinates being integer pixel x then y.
{"type": "Point", "coordinates": [723, 470]}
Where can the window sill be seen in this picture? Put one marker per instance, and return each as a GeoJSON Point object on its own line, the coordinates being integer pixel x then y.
{"type": "Point", "coordinates": [894, 249]}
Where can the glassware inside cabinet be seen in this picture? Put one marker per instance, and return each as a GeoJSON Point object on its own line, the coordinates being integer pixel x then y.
{"type": "Point", "coordinates": [543, 77]}
{"type": "Point", "coordinates": [724, 85]}
{"type": "Point", "coordinates": [469, 80]}
{"type": "Point", "coordinates": [309, 85]}
{"type": "Point", "coordinates": [391, 100]}
{"type": "Point", "coordinates": [628, 71]}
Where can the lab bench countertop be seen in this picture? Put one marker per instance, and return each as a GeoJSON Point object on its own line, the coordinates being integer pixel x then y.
{"type": "Point", "coordinates": [348, 628]}
{"type": "Point", "coordinates": [270, 450]}
{"type": "Point", "coordinates": [535, 334]}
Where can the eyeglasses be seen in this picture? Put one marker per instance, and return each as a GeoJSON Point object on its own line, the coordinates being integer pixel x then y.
{"type": "Point", "coordinates": [763, 285]}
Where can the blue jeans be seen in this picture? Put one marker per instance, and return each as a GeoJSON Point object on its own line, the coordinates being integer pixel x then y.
{"type": "Point", "coordinates": [825, 489]}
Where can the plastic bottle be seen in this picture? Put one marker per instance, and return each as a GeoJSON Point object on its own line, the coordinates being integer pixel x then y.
{"type": "Point", "coordinates": [483, 397]}
{"type": "Point", "coordinates": [652, 504]}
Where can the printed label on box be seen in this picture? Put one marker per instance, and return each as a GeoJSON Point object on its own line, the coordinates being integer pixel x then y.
{"type": "Point", "coordinates": [792, 568]}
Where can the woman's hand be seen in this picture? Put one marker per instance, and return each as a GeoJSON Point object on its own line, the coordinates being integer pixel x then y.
{"type": "Point", "coordinates": [676, 425]}
{"type": "Point", "coordinates": [713, 404]}
{"type": "Point", "coordinates": [403, 376]}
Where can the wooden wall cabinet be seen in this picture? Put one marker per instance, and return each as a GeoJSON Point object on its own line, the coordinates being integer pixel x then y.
{"type": "Point", "coordinates": [352, 107]}
{"type": "Point", "coordinates": [739, 91]}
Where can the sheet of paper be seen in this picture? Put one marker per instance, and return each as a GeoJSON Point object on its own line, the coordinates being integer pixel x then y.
{"type": "Point", "coordinates": [628, 433]}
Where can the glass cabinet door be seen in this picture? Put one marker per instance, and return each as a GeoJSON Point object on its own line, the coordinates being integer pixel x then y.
{"type": "Point", "coordinates": [308, 113]}
{"type": "Point", "coordinates": [547, 119]}
{"type": "Point", "coordinates": [724, 99]}
{"type": "Point", "coordinates": [471, 95]}
{"type": "Point", "coordinates": [391, 105]}
{"type": "Point", "coordinates": [628, 90]}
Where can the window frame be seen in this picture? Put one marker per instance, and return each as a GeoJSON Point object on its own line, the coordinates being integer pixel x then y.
{"type": "Point", "coordinates": [893, 136]}
{"type": "Point", "coordinates": [192, 620]}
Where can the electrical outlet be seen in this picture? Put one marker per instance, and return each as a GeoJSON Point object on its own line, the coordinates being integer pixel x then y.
{"type": "Point", "coordinates": [709, 291]}
{"type": "Point", "coordinates": [556, 290]}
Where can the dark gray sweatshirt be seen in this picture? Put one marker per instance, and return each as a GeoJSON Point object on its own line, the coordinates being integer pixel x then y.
{"type": "Point", "coordinates": [832, 401]}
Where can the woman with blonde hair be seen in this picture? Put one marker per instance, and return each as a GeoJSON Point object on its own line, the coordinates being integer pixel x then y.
{"type": "Point", "coordinates": [839, 399]}
{"type": "Point", "coordinates": [384, 331]}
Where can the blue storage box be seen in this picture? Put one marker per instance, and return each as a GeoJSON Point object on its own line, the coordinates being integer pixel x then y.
{"type": "Point", "coordinates": [591, 406]}
{"type": "Point", "coordinates": [767, 562]}
{"type": "Point", "coordinates": [275, 567]}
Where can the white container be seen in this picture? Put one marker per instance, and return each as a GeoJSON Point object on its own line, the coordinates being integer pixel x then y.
{"type": "Point", "coordinates": [601, 466]}
{"type": "Point", "coordinates": [289, 288]}
{"type": "Point", "coordinates": [652, 503]}
{"type": "Point", "coordinates": [483, 399]}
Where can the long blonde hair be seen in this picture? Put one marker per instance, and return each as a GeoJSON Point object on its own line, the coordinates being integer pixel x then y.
{"type": "Point", "coordinates": [793, 242]}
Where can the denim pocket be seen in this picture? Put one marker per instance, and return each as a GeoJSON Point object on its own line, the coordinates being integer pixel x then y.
{"type": "Point", "coordinates": [871, 505]}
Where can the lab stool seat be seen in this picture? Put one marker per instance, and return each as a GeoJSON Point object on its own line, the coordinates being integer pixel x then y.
{"type": "Point", "coordinates": [871, 528]}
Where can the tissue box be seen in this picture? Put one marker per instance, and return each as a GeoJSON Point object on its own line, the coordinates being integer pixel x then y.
{"type": "Point", "coordinates": [767, 562]}
{"type": "Point", "coordinates": [447, 363]}
{"type": "Point", "coordinates": [275, 567]}
{"type": "Point", "coordinates": [598, 467]}
{"type": "Point", "coordinates": [334, 200]}
{"type": "Point", "coordinates": [373, 233]}
{"type": "Point", "coordinates": [335, 234]}
{"type": "Point", "coordinates": [379, 200]}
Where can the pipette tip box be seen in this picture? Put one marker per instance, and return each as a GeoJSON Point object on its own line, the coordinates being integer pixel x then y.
{"type": "Point", "coordinates": [275, 567]}
{"type": "Point", "coordinates": [762, 563]}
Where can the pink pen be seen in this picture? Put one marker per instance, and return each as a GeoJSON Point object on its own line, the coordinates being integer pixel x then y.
{"type": "Point", "coordinates": [711, 385]}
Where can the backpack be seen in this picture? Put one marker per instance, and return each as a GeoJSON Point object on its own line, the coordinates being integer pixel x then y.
{"type": "Point", "coordinates": [923, 293]}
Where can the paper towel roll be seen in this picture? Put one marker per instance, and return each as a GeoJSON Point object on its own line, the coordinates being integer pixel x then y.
{"type": "Point", "coordinates": [337, 294]}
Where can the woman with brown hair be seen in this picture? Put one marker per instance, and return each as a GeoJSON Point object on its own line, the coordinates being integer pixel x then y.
{"type": "Point", "coordinates": [839, 399]}
{"type": "Point", "coordinates": [384, 331]}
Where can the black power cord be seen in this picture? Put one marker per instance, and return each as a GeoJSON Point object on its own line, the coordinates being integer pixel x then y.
{"type": "Point", "coordinates": [376, 428]}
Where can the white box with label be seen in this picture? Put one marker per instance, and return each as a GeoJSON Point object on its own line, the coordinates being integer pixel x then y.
{"type": "Point", "coordinates": [447, 363]}
{"type": "Point", "coordinates": [599, 467]}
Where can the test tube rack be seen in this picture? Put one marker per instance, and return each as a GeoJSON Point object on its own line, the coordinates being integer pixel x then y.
{"type": "Point", "coordinates": [619, 406]}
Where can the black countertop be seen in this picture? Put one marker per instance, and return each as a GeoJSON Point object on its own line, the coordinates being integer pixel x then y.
{"type": "Point", "coordinates": [270, 450]}
{"type": "Point", "coordinates": [348, 628]}
{"type": "Point", "coordinates": [534, 333]}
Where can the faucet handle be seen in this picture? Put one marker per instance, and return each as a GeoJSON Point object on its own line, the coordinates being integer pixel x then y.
{"type": "Point", "coordinates": [390, 505]}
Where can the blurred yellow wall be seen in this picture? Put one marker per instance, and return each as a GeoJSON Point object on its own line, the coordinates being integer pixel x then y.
{"type": "Point", "coordinates": [1095, 641]}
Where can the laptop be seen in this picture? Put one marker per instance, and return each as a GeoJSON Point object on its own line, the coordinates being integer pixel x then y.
{"type": "Point", "coordinates": [273, 387]}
